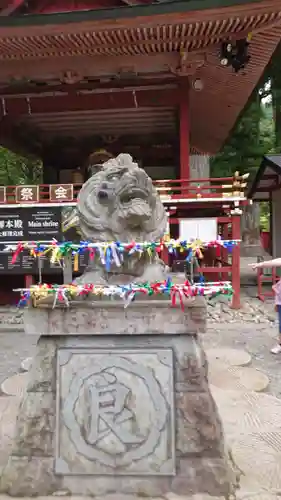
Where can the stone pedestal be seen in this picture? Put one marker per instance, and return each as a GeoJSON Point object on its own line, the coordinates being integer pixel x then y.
{"type": "Point", "coordinates": [118, 402]}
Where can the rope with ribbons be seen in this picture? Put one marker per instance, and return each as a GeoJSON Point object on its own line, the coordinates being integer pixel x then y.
{"type": "Point", "coordinates": [178, 293]}
{"type": "Point", "coordinates": [113, 253]}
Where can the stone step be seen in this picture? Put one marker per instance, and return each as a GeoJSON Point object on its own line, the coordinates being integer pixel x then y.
{"type": "Point", "coordinates": [229, 356]}
{"type": "Point", "coordinates": [15, 385]}
{"type": "Point", "coordinates": [237, 377]}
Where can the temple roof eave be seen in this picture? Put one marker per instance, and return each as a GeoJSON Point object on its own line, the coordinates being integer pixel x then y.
{"type": "Point", "coordinates": [182, 43]}
{"type": "Point", "coordinates": [128, 12]}
{"type": "Point", "coordinates": [267, 178]}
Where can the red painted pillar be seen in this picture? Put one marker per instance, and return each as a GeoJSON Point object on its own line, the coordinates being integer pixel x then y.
{"type": "Point", "coordinates": [184, 131]}
{"type": "Point", "coordinates": [28, 278]}
{"type": "Point", "coordinates": [224, 252]}
{"type": "Point", "coordinates": [236, 235]}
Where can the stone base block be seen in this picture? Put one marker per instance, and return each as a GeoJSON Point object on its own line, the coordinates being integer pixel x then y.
{"type": "Point", "coordinates": [124, 412]}
{"type": "Point", "coordinates": [210, 476]}
{"type": "Point", "coordinates": [29, 476]}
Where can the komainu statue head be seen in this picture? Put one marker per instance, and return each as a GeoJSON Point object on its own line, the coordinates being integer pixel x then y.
{"type": "Point", "coordinates": [120, 203]}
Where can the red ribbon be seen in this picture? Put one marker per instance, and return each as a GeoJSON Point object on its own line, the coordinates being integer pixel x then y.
{"type": "Point", "coordinates": [155, 287]}
{"type": "Point", "coordinates": [19, 249]}
{"type": "Point", "coordinates": [130, 245]}
{"type": "Point", "coordinates": [176, 293]}
{"type": "Point", "coordinates": [92, 253]}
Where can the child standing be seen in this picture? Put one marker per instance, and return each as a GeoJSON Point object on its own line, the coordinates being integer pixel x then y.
{"type": "Point", "coordinates": [277, 291]}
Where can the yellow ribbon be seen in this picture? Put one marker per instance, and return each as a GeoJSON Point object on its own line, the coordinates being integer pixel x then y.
{"type": "Point", "coordinates": [76, 263]}
{"type": "Point", "coordinates": [54, 256]}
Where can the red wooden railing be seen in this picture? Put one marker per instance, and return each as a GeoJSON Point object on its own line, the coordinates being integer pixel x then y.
{"type": "Point", "coordinates": [266, 279]}
{"type": "Point", "coordinates": [180, 189]}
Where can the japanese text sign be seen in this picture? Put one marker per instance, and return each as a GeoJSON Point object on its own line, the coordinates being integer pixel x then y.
{"type": "Point", "coordinates": [61, 192]}
{"type": "Point", "coordinates": [27, 194]}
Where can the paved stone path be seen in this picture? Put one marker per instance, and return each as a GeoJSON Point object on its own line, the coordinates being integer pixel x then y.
{"type": "Point", "coordinates": [257, 339]}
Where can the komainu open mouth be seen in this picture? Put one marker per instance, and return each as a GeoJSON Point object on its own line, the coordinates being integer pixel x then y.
{"type": "Point", "coordinates": [133, 194]}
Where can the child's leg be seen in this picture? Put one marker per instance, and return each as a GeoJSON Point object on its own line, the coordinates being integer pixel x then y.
{"type": "Point", "coordinates": [277, 349]}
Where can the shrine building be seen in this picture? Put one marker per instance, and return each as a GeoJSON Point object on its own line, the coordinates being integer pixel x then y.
{"type": "Point", "coordinates": [164, 81]}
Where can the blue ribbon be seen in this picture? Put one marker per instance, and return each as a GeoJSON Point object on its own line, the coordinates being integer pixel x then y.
{"type": "Point", "coordinates": [24, 299]}
{"type": "Point", "coordinates": [189, 255]}
{"type": "Point", "coordinates": [108, 257]}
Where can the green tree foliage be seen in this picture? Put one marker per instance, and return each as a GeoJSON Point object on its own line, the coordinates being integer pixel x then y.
{"type": "Point", "coordinates": [272, 90]}
{"type": "Point", "coordinates": [264, 216]}
{"type": "Point", "coordinates": [252, 137]}
{"type": "Point", "coordinates": [16, 169]}
{"type": "Point", "coordinates": [257, 132]}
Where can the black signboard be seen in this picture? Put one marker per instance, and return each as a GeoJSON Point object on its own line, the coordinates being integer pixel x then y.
{"type": "Point", "coordinates": [28, 224]}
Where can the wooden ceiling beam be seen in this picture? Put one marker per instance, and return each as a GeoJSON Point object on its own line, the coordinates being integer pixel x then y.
{"type": "Point", "coordinates": [48, 69]}
{"type": "Point", "coordinates": [121, 99]}
{"type": "Point", "coordinates": [36, 88]}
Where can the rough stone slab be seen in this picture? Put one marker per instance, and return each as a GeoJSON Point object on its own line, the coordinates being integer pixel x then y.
{"type": "Point", "coordinates": [204, 475]}
{"type": "Point", "coordinates": [42, 375]}
{"type": "Point", "coordinates": [35, 426]}
{"type": "Point", "coordinates": [100, 486]}
{"type": "Point", "coordinates": [26, 476]}
{"type": "Point", "coordinates": [107, 318]}
{"type": "Point", "coordinates": [8, 414]}
{"type": "Point", "coordinates": [199, 429]}
{"type": "Point", "coordinates": [191, 366]}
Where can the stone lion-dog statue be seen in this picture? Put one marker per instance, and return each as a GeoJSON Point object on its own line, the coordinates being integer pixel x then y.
{"type": "Point", "coordinates": [120, 203]}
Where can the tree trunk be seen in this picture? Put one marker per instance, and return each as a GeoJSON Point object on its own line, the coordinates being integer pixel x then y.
{"type": "Point", "coordinates": [250, 225]}
{"type": "Point", "coordinates": [250, 230]}
{"type": "Point", "coordinates": [199, 166]}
